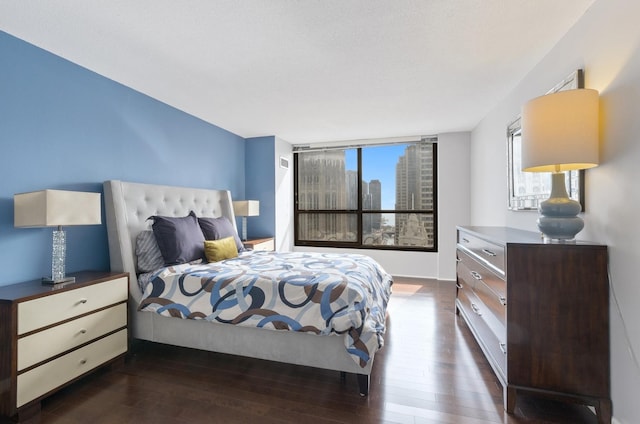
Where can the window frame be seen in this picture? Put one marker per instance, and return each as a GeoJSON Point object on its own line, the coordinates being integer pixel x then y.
{"type": "Point", "coordinates": [359, 212]}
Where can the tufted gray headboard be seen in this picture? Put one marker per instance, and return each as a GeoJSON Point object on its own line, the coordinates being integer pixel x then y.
{"type": "Point", "coordinates": [128, 205]}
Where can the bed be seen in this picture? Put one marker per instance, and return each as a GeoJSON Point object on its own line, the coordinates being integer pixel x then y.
{"type": "Point", "coordinates": [128, 206]}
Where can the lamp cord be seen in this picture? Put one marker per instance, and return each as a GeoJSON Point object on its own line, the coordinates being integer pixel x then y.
{"type": "Point", "coordinates": [634, 357]}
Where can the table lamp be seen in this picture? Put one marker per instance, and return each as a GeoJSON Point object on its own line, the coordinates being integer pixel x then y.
{"type": "Point", "coordinates": [245, 208]}
{"type": "Point", "coordinates": [560, 133]}
{"type": "Point", "coordinates": [56, 208]}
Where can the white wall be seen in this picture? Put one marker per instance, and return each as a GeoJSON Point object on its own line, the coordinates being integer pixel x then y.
{"type": "Point", "coordinates": [453, 207]}
{"type": "Point", "coordinates": [606, 44]}
{"type": "Point", "coordinates": [454, 174]}
{"type": "Point", "coordinates": [284, 196]}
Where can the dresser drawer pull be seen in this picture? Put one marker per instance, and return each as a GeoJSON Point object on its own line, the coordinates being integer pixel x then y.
{"type": "Point", "coordinates": [83, 361]}
{"type": "Point", "coordinates": [82, 301]}
{"type": "Point", "coordinates": [488, 252]}
{"type": "Point", "coordinates": [458, 285]}
{"type": "Point", "coordinates": [476, 275]}
{"type": "Point", "coordinates": [83, 331]}
{"type": "Point", "coordinates": [503, 300]}
{"type": "Point", "coordinates": [465, 240]}
{"type": "Point", "coordinates": [476, 310]}
{"type": "Point", "coordinates": [458, 259]}
{"type": "Point", "coordinates": [503, 348]}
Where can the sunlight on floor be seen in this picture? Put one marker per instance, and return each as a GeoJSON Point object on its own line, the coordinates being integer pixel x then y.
{"type": "Point", "coordinates": [406, 288]}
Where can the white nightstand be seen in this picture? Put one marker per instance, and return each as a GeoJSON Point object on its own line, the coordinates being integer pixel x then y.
{"type": "Point", "coordinates": [52, 335]}
{"type": "Point", "coordinates": [260, 244]}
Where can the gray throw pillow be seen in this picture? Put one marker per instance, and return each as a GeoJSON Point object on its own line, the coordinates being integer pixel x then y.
{"type": "Point", "coordinates": [148, 253]}
{"type": "Point", "coordinates": [180, 239]}
{"type": "Point", "coordinates": [219, 228]}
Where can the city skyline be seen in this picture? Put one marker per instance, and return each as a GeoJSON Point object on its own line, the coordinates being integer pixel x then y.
{"type": "Point", "coordinates": [375, 166]}
{"type": "Point", "coordinates": [397, 177]}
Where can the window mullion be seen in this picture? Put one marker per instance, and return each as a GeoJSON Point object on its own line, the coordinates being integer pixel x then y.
{"type": "Point", "coordinates": [359, 214]}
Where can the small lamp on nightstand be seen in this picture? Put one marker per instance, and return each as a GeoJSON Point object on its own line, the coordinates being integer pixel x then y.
{"type": "Point", "coordinates": [245, 208]}
{"type": "Point", "coordinates": [56, 208]}
{"type": "Point", "coordinates": [560, 133]}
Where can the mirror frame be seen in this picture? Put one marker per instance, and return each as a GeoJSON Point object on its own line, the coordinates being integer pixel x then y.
{"type": "Point", "coordinates": [530, 195]}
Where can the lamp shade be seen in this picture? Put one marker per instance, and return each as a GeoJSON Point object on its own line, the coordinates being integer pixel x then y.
{"type": "Point", "coordinates": [52, 208]}
{"type": "Point", "coordinates": [560, 131]}
{"type": "Point", "coordinates": [246, 208]}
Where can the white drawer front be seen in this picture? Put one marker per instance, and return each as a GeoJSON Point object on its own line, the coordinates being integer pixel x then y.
{"type": "Point", "coordinates": [265, 245]}
{"type": "Point", "coordinates": [46, 377]}
{"type": "Point", "coordinates": [48, 310]}
{"type": "Point", "coordinates": [42, 345]}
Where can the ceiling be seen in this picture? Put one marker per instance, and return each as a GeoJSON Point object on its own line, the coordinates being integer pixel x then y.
{"type": "Point", "coordinates": [307, 70]}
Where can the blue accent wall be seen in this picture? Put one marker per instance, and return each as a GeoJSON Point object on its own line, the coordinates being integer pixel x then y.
{"type": "Point", "coordinates": [65, 127]}
{"type": "Point", "coordinates": [260, 184]}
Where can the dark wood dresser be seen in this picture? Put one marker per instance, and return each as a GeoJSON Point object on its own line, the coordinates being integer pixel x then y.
{"type": "Point", "coordinates": [540, 313]}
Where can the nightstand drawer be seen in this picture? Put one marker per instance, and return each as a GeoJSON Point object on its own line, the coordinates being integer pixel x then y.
{"type": "Point", "coordinates": [42, 345]}
{"type": "Point", "coordinates": [44, 311]}
{"type": "Point", "coordinates": [267, 244]}
{"type": "Point", "coordinates": [51, 375]}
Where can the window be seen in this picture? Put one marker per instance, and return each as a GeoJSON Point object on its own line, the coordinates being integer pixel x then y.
{"type": "Point", "coordinates": [372, 196]}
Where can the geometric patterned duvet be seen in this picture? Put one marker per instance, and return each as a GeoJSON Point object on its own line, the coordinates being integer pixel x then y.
{"type": "Point", "coordinates": [320, 293]}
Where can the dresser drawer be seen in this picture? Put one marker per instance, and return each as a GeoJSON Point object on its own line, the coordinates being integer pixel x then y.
{"type": "Point", "coordinates": [44, 311]}
{"type": "Point", "coordinates": [483, 303]}
{"type": "Point", "coordinates": [493, 306]}
{"type": "Point", "coordinates": [464, 276]}
{"type": "Point", "coordinates": [38, 381]}
{"type": "Point", "coordinates": [487, 252]}
{"type": "Point", "coordinates": [42, 345]}
{"type": "Point", "coordinates": [490, 288]}
{"type": "Point", "coordinates": [493, 345]}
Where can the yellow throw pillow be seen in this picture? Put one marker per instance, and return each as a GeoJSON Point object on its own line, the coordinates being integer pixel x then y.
{"type": "Point", "coordinates": [217, 250]}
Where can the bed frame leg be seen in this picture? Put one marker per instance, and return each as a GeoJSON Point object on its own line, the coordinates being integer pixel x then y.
{"type": "Point", "coordinates": [363, 384]}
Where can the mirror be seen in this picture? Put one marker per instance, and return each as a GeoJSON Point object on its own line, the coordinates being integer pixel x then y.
{"type": "Point", "coordinates": [528, 189]}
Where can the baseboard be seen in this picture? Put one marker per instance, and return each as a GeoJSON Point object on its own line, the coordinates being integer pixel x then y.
{"type": "Point", "coordinates": [417, 277]}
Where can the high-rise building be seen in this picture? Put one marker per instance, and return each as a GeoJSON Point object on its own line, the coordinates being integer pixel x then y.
{"type": "Point", "coordinates": [352, 189]}
{"type": "Point", "coordinates": [375, 192]}
{"type": "Point", "coordinates": [414, 191]}
{"type": "Point", "coordinates": [366, 205]}
{"type": "Point", "coordinates": [322, 185]}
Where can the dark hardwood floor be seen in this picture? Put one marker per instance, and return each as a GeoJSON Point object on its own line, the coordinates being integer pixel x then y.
{"type": "Point", "coordinates": [430, 371]}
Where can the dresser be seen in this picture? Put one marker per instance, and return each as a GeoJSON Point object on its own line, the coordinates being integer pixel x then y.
{"type": "Point", "coordinates": [539, 312]}
{"type": "Point", "coordinates": [52, 335]}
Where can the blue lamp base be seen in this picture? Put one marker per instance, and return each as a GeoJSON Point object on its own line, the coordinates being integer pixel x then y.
{"type": "Point", "coordinates": [559, 218]}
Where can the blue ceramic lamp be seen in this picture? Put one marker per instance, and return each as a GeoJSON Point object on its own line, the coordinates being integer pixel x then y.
{"type": "Point", "coordinates": [560, 133]}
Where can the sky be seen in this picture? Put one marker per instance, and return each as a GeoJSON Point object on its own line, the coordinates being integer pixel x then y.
{"type": "Point", "coordinates": [379, 163]}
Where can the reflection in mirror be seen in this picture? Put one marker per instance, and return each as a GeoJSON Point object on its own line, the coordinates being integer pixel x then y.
{"type": "Point", "coordinates": [528, 189]}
